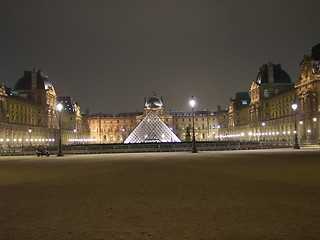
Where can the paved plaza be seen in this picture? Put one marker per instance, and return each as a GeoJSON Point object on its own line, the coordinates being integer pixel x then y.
{"type": "Point", "coordinates": [232, 195]}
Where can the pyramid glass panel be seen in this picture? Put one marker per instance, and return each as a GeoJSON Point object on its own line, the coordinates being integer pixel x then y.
{"type": "Point", "coordinates": [152, 129]}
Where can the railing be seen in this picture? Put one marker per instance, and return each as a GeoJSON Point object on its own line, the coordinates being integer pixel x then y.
{"type": "Point", "coordinates": [150, 147]}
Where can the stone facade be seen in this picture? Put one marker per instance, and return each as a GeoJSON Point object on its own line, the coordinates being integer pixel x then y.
{"type": "Point", "coordinates": [269, 115]}
{"type": "Point", "coordinates": [106, 128]}
{"type": "Point", "coordinates": [28, 115]}
{"type": "Point", "coordinates": [264, 113]}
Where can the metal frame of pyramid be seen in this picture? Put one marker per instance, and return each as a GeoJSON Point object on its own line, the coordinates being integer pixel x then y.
{"type": "Point", "coordinates": [152, 130]}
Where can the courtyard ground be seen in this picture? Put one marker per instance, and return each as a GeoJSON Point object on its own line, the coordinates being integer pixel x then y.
{"type": "Point", "coordinates": [234, 195]}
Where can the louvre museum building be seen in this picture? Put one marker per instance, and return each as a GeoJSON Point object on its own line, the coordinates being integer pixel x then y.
{"type": "Point", "coordinates": [273, 109]}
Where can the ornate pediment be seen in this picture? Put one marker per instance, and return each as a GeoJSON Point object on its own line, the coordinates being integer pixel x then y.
{"type": "Point", "coordinates": [254, 86]}
{"type": "Point", "coordinates": [2, 90]}
{"type": "Point", "coordinates": [254, 93]}
{"type": "Point", "coordinates": [309, 70]}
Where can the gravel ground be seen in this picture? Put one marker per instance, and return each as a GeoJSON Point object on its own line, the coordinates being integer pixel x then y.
{"type": "Point", "coordinates": [261, 194]}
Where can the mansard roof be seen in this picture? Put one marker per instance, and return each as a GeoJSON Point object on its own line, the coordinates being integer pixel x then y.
{"type": "Point", "coordinates": [272, 73]}
{"type": "Point", "coordinates": [25, 83]}
{"type": "Point", "coordinates": [242, 99]}
{"type": "Point", "coordinates": [315, 55]}
{"type": "Point", "coordinates": [68, 104]}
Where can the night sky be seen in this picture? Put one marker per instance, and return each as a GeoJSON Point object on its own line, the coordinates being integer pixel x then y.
{"type": "Point", "coordinates": [109, 55]}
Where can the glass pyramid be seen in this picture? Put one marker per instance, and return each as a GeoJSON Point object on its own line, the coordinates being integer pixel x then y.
{"type": "Point", "coordinates": [152, 130]}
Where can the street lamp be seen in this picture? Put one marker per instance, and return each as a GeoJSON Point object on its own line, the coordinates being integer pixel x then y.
{"type": "Point", "coordinates": [60, 152]}
{"type": "Point", "coordinates": [192, 104]}
{"type": "Point", "coordinates": [263, 134]}
{"type": "Point", "coordinates": [30, 130]}
{"type": "Point", "coordinates": [296, 145]}
{"type": "Point", "coordinates": [316, 130]}
{"type": "Point", "coordinates": [75, 135]}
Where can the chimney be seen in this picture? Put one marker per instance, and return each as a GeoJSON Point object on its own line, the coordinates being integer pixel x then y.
{"type": "Point", "coordinates": [34, 77]}
{"type": "Point", "coordinates": [270, 73]}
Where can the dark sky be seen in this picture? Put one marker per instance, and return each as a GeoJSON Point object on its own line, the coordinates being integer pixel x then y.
{"type": "Point", "coordinates": [109, 55]}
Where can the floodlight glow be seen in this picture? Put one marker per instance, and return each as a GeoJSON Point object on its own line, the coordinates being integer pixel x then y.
{"type": "Point", "coordinates": [59, 107]}
{"type": "Point", "coordinates": [192, 102]}
{"type": "Point", "coordinates": [294, 106]}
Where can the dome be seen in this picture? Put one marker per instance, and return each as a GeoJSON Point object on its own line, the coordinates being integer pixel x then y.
{"type": "Point", "coordinates": [40, 81]}
{"type": "Point", "coordinates": [153, 102]}
{"type": "Point", "coordinates": [272, 73]}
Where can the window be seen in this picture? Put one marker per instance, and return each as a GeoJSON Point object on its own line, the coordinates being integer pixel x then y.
{"type": "Point", "coordinates": [316, 67]}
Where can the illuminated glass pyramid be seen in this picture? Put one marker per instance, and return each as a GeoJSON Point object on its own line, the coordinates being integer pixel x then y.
{"type": "Point", "coordinates": [152, 130]}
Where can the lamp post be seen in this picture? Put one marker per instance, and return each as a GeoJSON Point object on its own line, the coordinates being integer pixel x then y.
{"type": "Point", "coordinates": [192, 104]}
{"type": "Point", "coordinates": [316, 130]}
{"type": "Point", "coordinates": [60, 152]}
{"type": "Point", "coordinates": [30, 130]}
{"type": "Point", "coordinates": [296, 145]}
{"type": "Point", "coordinates": [75, 135]}
{"type": "Point", "coordinates": [263, 125]}
{"type": "Point", "coordinates": [219, 132]}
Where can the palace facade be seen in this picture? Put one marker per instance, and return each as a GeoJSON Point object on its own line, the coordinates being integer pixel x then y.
{"type": "Point", "coordinates": [106, 128]}
{"type": "Point", "coordinates": [29, 117]}
{"type": "Point", "coordinates": [28, 114]}
{"type": "Point", "coordinates": [265, 112]}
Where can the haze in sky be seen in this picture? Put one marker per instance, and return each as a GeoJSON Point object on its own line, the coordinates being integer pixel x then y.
{"type": "Point", "coordinates": [109, 55]}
